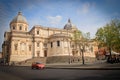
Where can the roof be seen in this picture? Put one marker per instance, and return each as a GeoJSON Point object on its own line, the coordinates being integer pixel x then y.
{"type": "Point", "coordinates": [59, 35]}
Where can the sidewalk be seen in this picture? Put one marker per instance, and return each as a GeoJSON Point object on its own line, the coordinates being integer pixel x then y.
{"type": "Point", "coordinates": [94, 66]}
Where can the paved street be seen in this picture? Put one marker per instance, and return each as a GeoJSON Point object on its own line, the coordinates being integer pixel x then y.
{"type": "Point", "coordinates": [95, 66]}
{"type": "Point", "coordinates": [26, 73]}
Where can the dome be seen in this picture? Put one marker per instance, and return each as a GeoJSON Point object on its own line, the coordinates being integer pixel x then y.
{"type": "Point", "coordinates": [19, 18]}
{"type": "Point", "coordinates": [69, 25]}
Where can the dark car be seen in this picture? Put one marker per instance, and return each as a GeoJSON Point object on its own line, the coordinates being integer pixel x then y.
{"type": "Point", "coordinates": [37, 65]}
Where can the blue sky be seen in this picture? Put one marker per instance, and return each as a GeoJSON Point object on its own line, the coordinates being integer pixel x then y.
{"type": "Point", "coordinates": [87, 15]}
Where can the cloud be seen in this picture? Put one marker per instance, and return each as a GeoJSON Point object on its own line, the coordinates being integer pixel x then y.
{"type": "Point", "coordinates": [85, 8]}
{"type": "Point", "coordinates": [54, 20]}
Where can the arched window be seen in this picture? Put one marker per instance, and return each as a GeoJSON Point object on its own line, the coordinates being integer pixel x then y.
{"type": "Point", "coordinates": [13, 27]}
{"type": "Point", "coordinates": [37, 32]}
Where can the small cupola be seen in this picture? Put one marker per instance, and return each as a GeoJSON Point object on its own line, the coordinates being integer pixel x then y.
{"type": "Point", "coordinates": [19, 23]}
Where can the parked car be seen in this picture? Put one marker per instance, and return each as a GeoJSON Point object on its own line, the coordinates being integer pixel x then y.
{"type": "Point", "coordinates": [113, 59]}
{"type": "Point", "coordinates": [37, 65]}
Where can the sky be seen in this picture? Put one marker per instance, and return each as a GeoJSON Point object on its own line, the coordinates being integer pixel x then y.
{"type": "Point", "coordinates": [87, 15]}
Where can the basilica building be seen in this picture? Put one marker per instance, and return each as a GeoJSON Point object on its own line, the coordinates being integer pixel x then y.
{"type": "Point", "coordinates": [21, 44]}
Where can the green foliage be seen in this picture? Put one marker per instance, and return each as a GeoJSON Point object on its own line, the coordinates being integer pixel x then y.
{"type": "Point", "coordinates": [109, 35]}
{"type": "Point", "coordinates": [80, 40]}
{"type": "Point", "coordinates": [77, 35]}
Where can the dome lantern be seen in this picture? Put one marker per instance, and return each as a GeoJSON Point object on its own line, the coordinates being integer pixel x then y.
{"type": "Point", "coordinates": [19, 13]}
{"type": "Point", "coordinates": [69, 20]}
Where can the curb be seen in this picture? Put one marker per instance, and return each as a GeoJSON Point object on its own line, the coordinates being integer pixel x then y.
{"type": "Point", "coordinates": [86, 68]}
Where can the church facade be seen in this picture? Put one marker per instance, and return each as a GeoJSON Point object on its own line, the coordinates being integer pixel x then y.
{"type": "Point", "coordinates": [20, 44]}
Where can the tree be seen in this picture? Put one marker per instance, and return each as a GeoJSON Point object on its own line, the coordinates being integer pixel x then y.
{"type": "Point", "coordinates": [80, 40]}
{"type": "Point", "coordinates": [76, 37]}
{"type": "Point", "coordinates": [116, 42]}
{"type": "Point", "coordinates": [109, 36]}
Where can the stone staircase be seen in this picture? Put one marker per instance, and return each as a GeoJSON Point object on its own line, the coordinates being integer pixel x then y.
{"type": "Point", "coordinates": [56, 59]}
{"type": "Point", "coordinates": [28, 62]}
{"type": "Point", "coordinates": [72, 59]}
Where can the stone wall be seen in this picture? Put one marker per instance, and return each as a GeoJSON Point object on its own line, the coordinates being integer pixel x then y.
{"type": "Point", "coordinates": [71, 59]}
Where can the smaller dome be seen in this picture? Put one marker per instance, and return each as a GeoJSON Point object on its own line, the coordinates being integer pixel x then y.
{"type": "Point", "coordinates": [19, 18]}
{"type": "Point", "coordinates": [69, 25]}
{"type": "Point", "coordinates": [74, 27]}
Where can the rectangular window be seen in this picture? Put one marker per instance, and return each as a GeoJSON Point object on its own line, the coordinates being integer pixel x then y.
{"type": "Point", "coordinates": [38, 44]}
{"type": "Point", "coordinates": [58, 43]}
{"type": "Point", "coordinates": [20, 27]}
{"type": "Point", "coordinates": [51, 44]}
{"type": "Point", "coordinates": [37, 32]}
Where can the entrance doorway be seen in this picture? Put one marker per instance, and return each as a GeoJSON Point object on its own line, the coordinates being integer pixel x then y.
{"type": "Point", "coordinates": [45, 53]}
